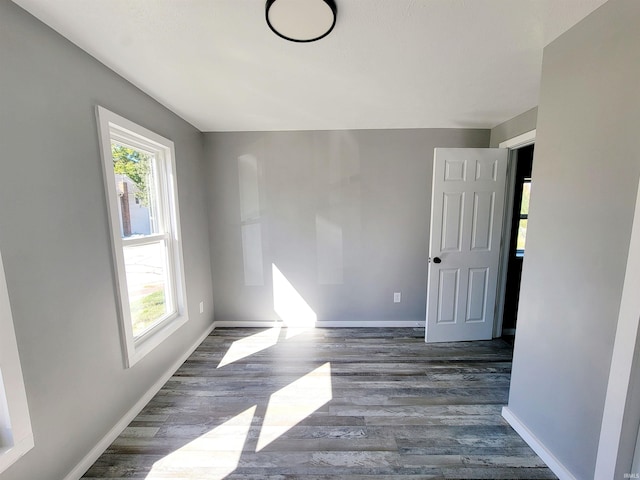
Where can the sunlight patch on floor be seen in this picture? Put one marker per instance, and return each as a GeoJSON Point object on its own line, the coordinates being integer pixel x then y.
{"type": "Point", "coordinates": [213, 455]}
{"type": "Point", "coordinates": [290, 405]}
{"type": "Point", "coordinates": [295, 331]}
{"type": "Point", "coordinates": [251, 345]}
{"type": "Point", "coordinates": [293, 310]}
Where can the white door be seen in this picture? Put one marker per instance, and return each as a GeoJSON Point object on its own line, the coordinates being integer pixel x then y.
{"type": "Point", "coordinates": [464, 250]}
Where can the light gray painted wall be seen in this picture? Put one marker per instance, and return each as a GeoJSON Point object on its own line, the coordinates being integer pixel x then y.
{"type": "Point", "coordinates": [525, 122]}
{"type": "Point", "coordinates": [344, 215]}
{"type": "Point", "coordinates": [55, 241]}
{"type": "Point", "coordinates": [585, 173]}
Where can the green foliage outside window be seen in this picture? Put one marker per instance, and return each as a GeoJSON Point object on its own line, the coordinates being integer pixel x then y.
{"type": "Point", "coordinates": [134, 164]}
{"type": "Point", "coordinates": [147, 310]}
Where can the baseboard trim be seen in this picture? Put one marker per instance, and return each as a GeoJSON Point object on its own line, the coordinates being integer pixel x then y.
{"type": "Point", "coordinates": [508, 331]}
{"type": "Point", "coordinates": [322, 324]}
{"type": "Point", "coordinates": [244, 324]}
{"type": "Point", "coordinates": [380, 324]}
{"type": "Point", "coordinates": [537, 446]}
{"type": "Point", "coordinates": [117, 429]}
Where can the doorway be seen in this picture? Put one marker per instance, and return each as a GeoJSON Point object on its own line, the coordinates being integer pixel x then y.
{"type": "Point", "coordinates": [452, 306]}
{"type": "Point", "coordinates": [520, 149]}
{"type": "Point", "coordinates": [517, 240]}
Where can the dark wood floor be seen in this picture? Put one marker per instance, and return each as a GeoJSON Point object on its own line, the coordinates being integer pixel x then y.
{"type": "Point", "coordinates": [328, 403]}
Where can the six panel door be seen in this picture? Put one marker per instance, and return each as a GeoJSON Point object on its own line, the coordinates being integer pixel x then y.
{"type": "Point", "coordinates": [466, 228]}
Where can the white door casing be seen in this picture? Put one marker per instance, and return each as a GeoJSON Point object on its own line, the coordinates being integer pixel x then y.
{"type": "Point", "coordinates": [466, 222]}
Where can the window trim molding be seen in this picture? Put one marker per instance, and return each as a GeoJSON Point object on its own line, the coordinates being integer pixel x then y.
{"type": "Point", "coordinates": [141, 138]}
{"type": "Point", "coordinates": [13, 396]}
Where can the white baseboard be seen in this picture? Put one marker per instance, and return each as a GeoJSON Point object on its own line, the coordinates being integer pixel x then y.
{"type": "Point", "coordinates": [323, 324]}
{"type": "Point", "coordinates": [117, 429]}
{"type": "Point", "coordinates": [373, 324]}
{"type": "Point", "coordinates": [245, 324]}
{"type": "Point", "coordinates": [508, 331]}
{"type": "Point", "coordinates": [537, 446]}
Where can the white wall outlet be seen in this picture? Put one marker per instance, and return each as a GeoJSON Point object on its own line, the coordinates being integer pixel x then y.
{"type": "Point", "coordinates": [397, 296]}
{"type": "Point", "coordinates": [201, 307]}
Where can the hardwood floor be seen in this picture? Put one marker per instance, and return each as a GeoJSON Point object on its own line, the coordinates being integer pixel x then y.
{"type": "Point", "coordinates": [328, 403]}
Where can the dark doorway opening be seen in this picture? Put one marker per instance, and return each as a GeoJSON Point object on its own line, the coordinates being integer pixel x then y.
{"type": "Point", "coordinates": [517, 242]}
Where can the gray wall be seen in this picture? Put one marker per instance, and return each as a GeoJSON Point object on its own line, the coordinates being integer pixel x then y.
{"type": "Point", "coordinates": [585, 177]}
{"type": "Point", "coordinates": [54, 239]}
{"type": "Point", "coordinates": [344, 216]}
{"type": "Point", "coordinates": [525, 122]}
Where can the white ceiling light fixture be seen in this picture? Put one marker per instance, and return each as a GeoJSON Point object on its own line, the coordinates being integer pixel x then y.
{"type": "Point", "coordinates": [301, 20]}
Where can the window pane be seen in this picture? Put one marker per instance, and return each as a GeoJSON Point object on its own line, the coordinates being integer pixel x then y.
{"type": "Point", "coordinates": [134, 173]}
{"type": "Point", "coordinates": [147, 285]}
{"type": "Point", "coordinates": [526, 193]}
{"type": "Point", "coordinates": [522, 234]}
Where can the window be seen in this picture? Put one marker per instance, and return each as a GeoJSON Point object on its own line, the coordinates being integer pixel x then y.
{"type": "Point", "coordinates": [140, 181]}
{"type": "Point", "coordinates": [524, 217]}
{"type": "Point", "coordinates": [16, 437]}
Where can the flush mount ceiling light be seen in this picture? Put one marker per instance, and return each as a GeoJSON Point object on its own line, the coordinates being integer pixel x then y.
{"type": "Point", "coordinates": [301, 20]}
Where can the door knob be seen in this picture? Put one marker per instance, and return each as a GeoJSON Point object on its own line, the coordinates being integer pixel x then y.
{"type": "Point", "coordinates": [436, 260]}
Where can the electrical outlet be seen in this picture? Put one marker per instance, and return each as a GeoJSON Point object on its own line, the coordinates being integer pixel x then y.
{"type": "Point", "coordinates": [201, 307]}
{"type": "Point", "coordinates": [397, 296]}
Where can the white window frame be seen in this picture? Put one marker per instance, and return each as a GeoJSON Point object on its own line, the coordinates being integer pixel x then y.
{"type": "Point", "coordinates": [16, 436]}
{"type": "Point", "coordinates": [114, 127]}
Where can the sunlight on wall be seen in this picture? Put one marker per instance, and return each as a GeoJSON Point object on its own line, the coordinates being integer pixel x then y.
{"type": "Point", "coordinates": [289, 304]}
{"type": "Point", "coordinates": [248, 346]}
{"type": "Point", "coordinates": [250, 217]}
{"type": "Point", "coordinates": [295, 402]}
{"type": "Point", "coordinates": [213, 455]}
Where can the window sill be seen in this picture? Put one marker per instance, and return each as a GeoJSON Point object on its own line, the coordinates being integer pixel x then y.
{"type": "Point", "coordinates": [147, 343]}
{"type": "Point", "coordinates": [10, 455]}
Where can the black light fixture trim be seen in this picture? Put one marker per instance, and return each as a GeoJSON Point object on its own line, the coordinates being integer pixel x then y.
{"type": "Point", "coordinates": [332, 5]}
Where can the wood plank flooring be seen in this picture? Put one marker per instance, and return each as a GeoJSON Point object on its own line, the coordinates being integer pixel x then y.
{"type": "Point", "coordinates": [328, 403]}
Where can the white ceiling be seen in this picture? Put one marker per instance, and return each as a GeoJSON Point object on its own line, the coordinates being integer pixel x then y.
{"type": "Point", "coordinates": [387, 63]}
